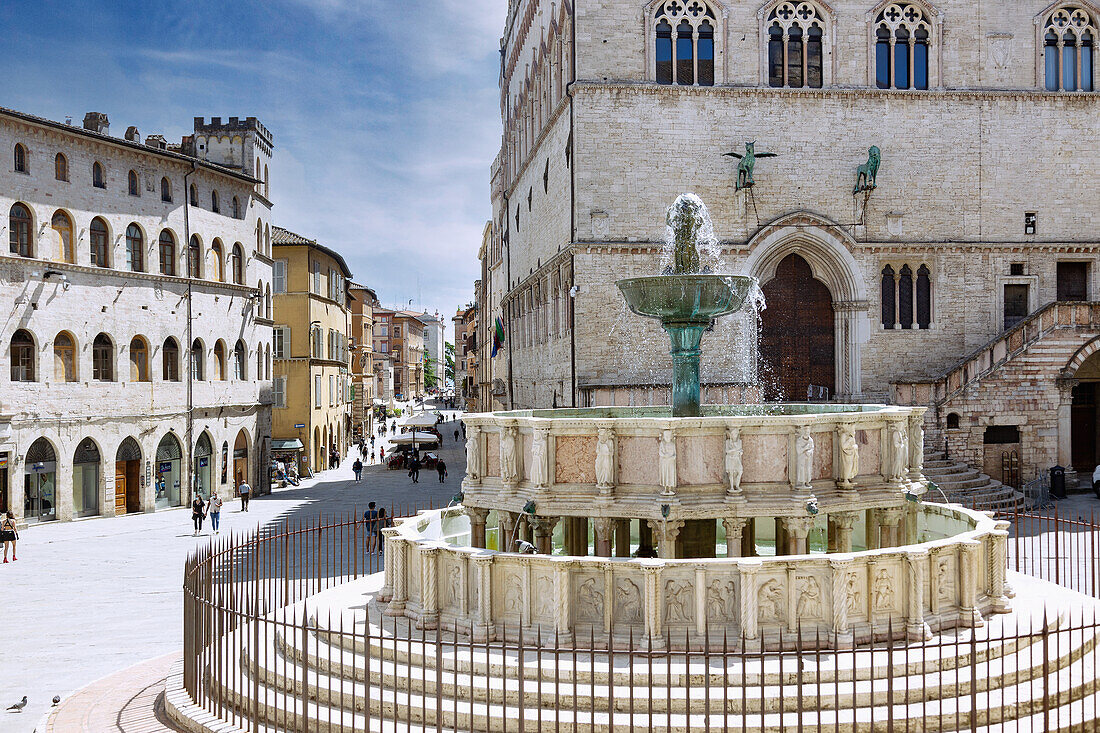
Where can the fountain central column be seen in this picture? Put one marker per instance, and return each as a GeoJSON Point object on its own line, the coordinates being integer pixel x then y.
{"type": "Point", "coordinates": [686, 339]}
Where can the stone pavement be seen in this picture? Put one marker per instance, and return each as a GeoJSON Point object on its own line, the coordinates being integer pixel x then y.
{"type": "Point", "coordinates": [94, 596]}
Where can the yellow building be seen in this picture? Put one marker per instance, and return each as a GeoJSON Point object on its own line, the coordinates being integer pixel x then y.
{"type": "Point", "coordinates": [311, 409]}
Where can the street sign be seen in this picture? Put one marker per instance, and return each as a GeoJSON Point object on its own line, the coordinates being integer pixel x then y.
{"type": "Point", "coordinates": [300, 425]}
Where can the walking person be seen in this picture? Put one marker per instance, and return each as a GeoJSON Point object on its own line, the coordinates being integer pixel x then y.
{"type": "Point", "coordinates": [441, 469]}
{"type": "Point", "coordinates": [198, 513]}
{"type": "Point", "coordinates": [372, 442]}
{"type": "Point", "coordinates": [456, 435]}
{"type": "Point", "coordinates": [371, 518]}
{"type": "Point", "coordinates": [245, 492]}
{"type": "Point", "coordinates": [9, 535]}
{"type": "Point", "coordinates": [414, 469]}
{"type": "Point", "coordinates": [357, 468]}
{"type": "Point", "coordinates": [381, 455]}
{"type": "Point", "coordinates": [379, 525]}
{"type": "Point", "coordinates": [372, 457]}
{"type": "Point", "coordinates": [214, 511]}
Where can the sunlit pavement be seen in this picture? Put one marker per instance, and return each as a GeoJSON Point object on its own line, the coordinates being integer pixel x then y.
{"type": "Point", "coordinates": [91, 597]}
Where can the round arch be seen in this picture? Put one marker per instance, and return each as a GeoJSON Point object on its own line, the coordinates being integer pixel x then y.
{"type": "Point", "coordinates": [318, 450]}
{"type": "Point", "coordinates": [168, 472]}
{"type": "Point", "coordinates": [242, 446]}
{"type": "Point", "coordinates": [204, 464]}
{"type": "Point", "coordinates": [827, 251]}
{"type": "Point", "coordinates": [128, 477]}
{"type": "Point", "coordinates": [87, 475]}
{"type": "Point", "coordinates": [40, 481]}
{"type": "Point", "coordinates": [1081, 376]}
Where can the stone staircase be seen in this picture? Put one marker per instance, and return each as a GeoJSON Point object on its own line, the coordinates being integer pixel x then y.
{"type": "Point", "coordinates": [968, 486]}
{"type": "Point", "coordinates": [1022, 672]}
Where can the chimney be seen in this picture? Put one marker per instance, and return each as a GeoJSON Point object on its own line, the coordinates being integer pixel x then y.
{"type": "Point", "coordinates": [156, 141]}
{"type": "Point", "coordinates": [132, 134]}
{"type": "Point", "coordinates": [96, 122]}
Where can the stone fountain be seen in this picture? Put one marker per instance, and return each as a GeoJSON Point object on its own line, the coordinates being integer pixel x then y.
{"type": "Point", "coordinates": [753, 522]}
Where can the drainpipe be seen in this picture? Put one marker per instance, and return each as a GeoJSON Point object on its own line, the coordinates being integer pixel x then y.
{"type": "Point", "coordinates": [573, 215]}
{"type": "Point", "coordinates": [189, 433]}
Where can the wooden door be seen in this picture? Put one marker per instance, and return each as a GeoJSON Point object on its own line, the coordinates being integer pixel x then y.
{"type": "Point", "coordinates": [1083, 418]}
{"type": "Point", "coordinates": [797, 337]}
{"type": "Point", "coordinates": [120, 487]}
{"type": "Point", "coordinates": [133, 486]}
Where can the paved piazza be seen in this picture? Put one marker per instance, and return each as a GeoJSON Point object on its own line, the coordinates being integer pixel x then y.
{"type": "Point", "coordinates": [89, 598]}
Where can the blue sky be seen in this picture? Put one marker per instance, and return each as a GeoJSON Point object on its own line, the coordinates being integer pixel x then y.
{"type": "Point", "coordinates": [386, 115]}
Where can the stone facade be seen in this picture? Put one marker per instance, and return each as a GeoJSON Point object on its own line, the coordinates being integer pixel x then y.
{"type": "Point", "coordinates": [137, 362]}
{"type": "Point", "coordinates": [595, 149]}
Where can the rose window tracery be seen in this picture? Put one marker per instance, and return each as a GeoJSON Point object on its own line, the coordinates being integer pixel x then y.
{"type": "Point", "coordinates": [1069, 38]}
{"type": "Point", "coordinates": [685, 31]}
{"type": "Point", "coordinates": [796, 32]}
{"type": "Point", "coordinates": [902, 33]}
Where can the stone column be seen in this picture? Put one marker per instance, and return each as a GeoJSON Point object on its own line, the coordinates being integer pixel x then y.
{"type": "Point", "coordinates": [797, 532]}
{"type": "Point", "coordinates": [735, 530]}
{"type": "Point", "coordinates": [968, 584]}
{"type": "Point", "coordinates": [652, 572]}
{"type": "Point", "coordinates": [851, 332]}
{"type": "Point", "coordinates": [622, 538]}
{"type": "Point", "coordinates": [605, 528]}
{"type": "Point", "coordinates": [748, 538]}
{"type": "Point", "coordinates": [544, 534]}
{"type": "Point", "coordinates": [564, 604]}
{"type": "Point", "coordinates": [1065, 423]}
{"type": "Point", "coordinates": [889, 519]}
{"type": "Point", "coordinates": [483, 629]}
{"type": "Point", "coordinates": [917, 629]}
{"type": "Point", "coordinates": [429, 592]}
{"type": "Point", "coordinates": [396, 549]}
{"type": "Point", "coordinates": [388, 536]}
{"type": "Point", "coordinates": [507, 531]}
{"type": "Point", "coordinates": [781, 542]}
{"type": "Point", "coordinates": [578, 536]}
{"type": "Point", "coordinates": [843, 523]}
{"type": "Point", "coordinates": [842, 630]}
{"type": "Point", "coordinates": [645, 539]}
{"type": "Point", "coordinates": [748, 569]}
{"type": "Point", "coordinates": [871, 529]}
{"type": "Point", "coordinates": [477, 526]}
{"type": "Point", "coordinates": [998, 564]}
{"type": "Point", "coordinates": [666, 533]}
{"type": "Point", "coordinates": [700, 600]}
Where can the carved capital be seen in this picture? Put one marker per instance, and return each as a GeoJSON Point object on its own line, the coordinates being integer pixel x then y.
{"type": "Point", "coordinates": [798, 527]}
{"type": "Point", "coordinates": [844, 520]}
{"type": "Point", "coordinates": [890, 517]}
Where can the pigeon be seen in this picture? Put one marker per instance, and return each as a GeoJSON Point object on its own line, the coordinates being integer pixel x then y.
{"type": "Point", "coordinates": [56, 699]}
{"type": "Point", "coordinates": [18, 707]}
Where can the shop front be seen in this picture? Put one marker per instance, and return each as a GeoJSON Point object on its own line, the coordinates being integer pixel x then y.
{"type": "Point", "coordinates": [40, 482]}
{"type": "Point", "coordinates": [240, 459]}
{"type": "Point", "coordinates": [168, 478]}
{"type": "Point", "coordinates": [128, 477]}
{"type": "Point", "coordinates": [204, 468]}
{"type": "Point", "coordinates": [288, 452]}
{"type": "Point", "coordinates": [86, 479]}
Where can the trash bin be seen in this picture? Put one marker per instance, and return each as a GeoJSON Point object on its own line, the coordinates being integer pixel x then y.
{"type": "Point", "coordinates": [1058, 482]}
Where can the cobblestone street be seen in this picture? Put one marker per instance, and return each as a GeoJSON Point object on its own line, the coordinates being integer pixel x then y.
{"type": "Point", "coordinates": [89, 598]}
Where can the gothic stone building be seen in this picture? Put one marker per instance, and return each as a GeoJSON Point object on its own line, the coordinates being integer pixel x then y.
{"type": "Point", "coordinates": [137, 343]}
{"type": "Point", "coordinates": [938, 286]}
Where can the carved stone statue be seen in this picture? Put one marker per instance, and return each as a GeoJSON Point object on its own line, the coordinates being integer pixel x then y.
{"type": "Point", "coordinates": [720, 600]}
{"type": "Point", "coordinates": [847, 456]}
{"type": "Point", "coordinates": [772, 602]}
{"type": "Point", "coordinates": [538, 458]}
{"type": "Point", "coordinates": [589, 601]}
{"type": "Point", "coordinates": [508, 455]}
{"type": "Point", "coordinates": [473, 465]}
{"type": "Point", "coordinates": [456, 585]}
{"type": "Point", "coordinates": [803, 457]}
{"type": "Point", "coordinates": [883, 590]}
{"type": "Point", "coordinates": [916, 444]}
{"type": "Point", "coordinates": [867, 174]}
{"type": "Point", "coordinates": [679, 603]}
{"type": "Point", "coordinates": [898, 459]}
{"type": "Point", "coordinates": [734, 467]}
{"type": "Point", "coordinates": [809, 598]}
{"type": "Point", "coordinates": [605, 458]}
{"type": "Point", "coordinates": [684, 221]}
{"type": "Point", "coordinates": [667, 455]}
{"type": "Point", "coordinates": [629, 599]}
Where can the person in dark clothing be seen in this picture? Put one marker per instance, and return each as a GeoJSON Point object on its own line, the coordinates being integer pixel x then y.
{"type": "Point", "coordinates": [456, 435]}
{"type": "Point", "coordinates": [198, 513]}
{"type": "Point", "coordinates": [414, 469]}
{"type": "Point", "coordinates": [441, 469]}
{"type": "Point", "coordinates": [357, 468]}
{"type": "Point", "coordinates": [371, 518]}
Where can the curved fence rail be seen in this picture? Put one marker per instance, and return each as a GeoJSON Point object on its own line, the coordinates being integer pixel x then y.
{"type": "Point", "coordinates": [262, 654]}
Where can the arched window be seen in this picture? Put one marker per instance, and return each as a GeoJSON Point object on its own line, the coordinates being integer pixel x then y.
{"type": "Point", "coordinates": [259, 236]}
{"type": "Point", "coordinates": [20, 158]}
{"type": "Point", "coordinates": [170, 360]}
{"type": "Point", "coordinates": [267, 239]}
{"type": "Point", "coordinates": [139, 360]}
{"type": "Point", "coordinates": [240, 355]}
{"type": "Point", "coordinates": [62, 227]}
{"type": "Point", "coordinates": [267, 359]}
{"type": "Point", "coordinates": [167, 253]}
{"type": "Point", "coordinates": [198, 363]}
{"type": "Point", "coordinates": [953, 421]}
{"type": "Point", "coordinates": [905, 297]}
{"type": "Point", "coordinates": [219, 361]}
{"type": "Point", "coordinates": [267, 183]}
{"type": "Point", "coordinates": [61, 167]}
{"type": "Point", "coordinates": [99, 180]}
{"type": "Point", "coordinates": [193, 195]}
{"type": "Point", "coordinates": [889, 298]}
{"type": "Point", "coordinates": [214, 202]}
{"type": "Point", "coordinates": [267, 301]}
{"type": "Point", "coordinates": [796, 33]}
{"type": "Point", "coordinates": [219, 260]}
{"type": "Point", "coordinates": [237, 258]}
{"type": "Point", "coordinates": [64, 357]}
{"type": "Point", "coordinates": [260, 362]}
{"type": "Point", "coordinates": [135, 249]}
{"type": "Point", "coordinates": [194, 257]}
{"type": "Point", "coordinates": [97, 238]}
{"type": "Point", "coordinates": [684, 51]}
{"type": "Point", "coordinates": [103, 359]}
{"type": "Point", "coordinates": [132, 183]}
{"type": "Point", "coordinates": [19, 231]}
{"type": "Point", "coordinates": [22, 357]}
{"type": "Point", "coordinates": [1069, 38]}
{"type": "Point", "coordinates": [236, 208]}
{"type": "Point", "coordinates": [165, 190]}
{"type": "Point", "coordinates": [902, 31]}
{"type": "Point", "coordinates": [924, 297]}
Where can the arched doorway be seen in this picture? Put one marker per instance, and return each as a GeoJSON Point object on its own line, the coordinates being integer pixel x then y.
{"type": "Point", "coordinates": [86, 470]}
{"type": "Point", "coordinates": [797, 332]}
{"type": "Point", "coordinates": [40, 482]}
{"type": "Point", "coordinates": [240, 459]}
{"type": "Point", "coordinates": [169, 473]}
{"type": "Point", "coordinates": [128, 477]}
{"type": "Point", "coordinates": [318, 450]}
{"type": "Point", "coordinates": [1085, 415]}
{"type": "Point", "coordinates": [204, 479]}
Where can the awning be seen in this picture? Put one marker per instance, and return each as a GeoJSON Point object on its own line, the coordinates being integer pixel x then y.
{"type": "Point", "coordinates": [293, 444]}
{"type": "Point", "coordinates": [421, 438]}
{"type": "Point", "coordinates": [423, 420]}
{"type": "Point", "coordinates": [378, 401]}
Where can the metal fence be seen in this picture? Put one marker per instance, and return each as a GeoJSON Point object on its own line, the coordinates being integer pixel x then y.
{"type": "Point", "coordinates": [261, 653]}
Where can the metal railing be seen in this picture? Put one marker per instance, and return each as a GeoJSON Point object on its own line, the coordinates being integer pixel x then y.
{"type": "Point", "coordinates": [262, 652]}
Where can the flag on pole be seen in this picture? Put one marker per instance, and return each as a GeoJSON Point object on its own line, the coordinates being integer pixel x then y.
{"type": "Point", "coordinates": [498, 336]}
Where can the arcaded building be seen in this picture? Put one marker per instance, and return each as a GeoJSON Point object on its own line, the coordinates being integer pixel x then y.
{"type": "Point", "coordinates": [983, 212]}
{"type": "Point", "coordinates": [137, 359]}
